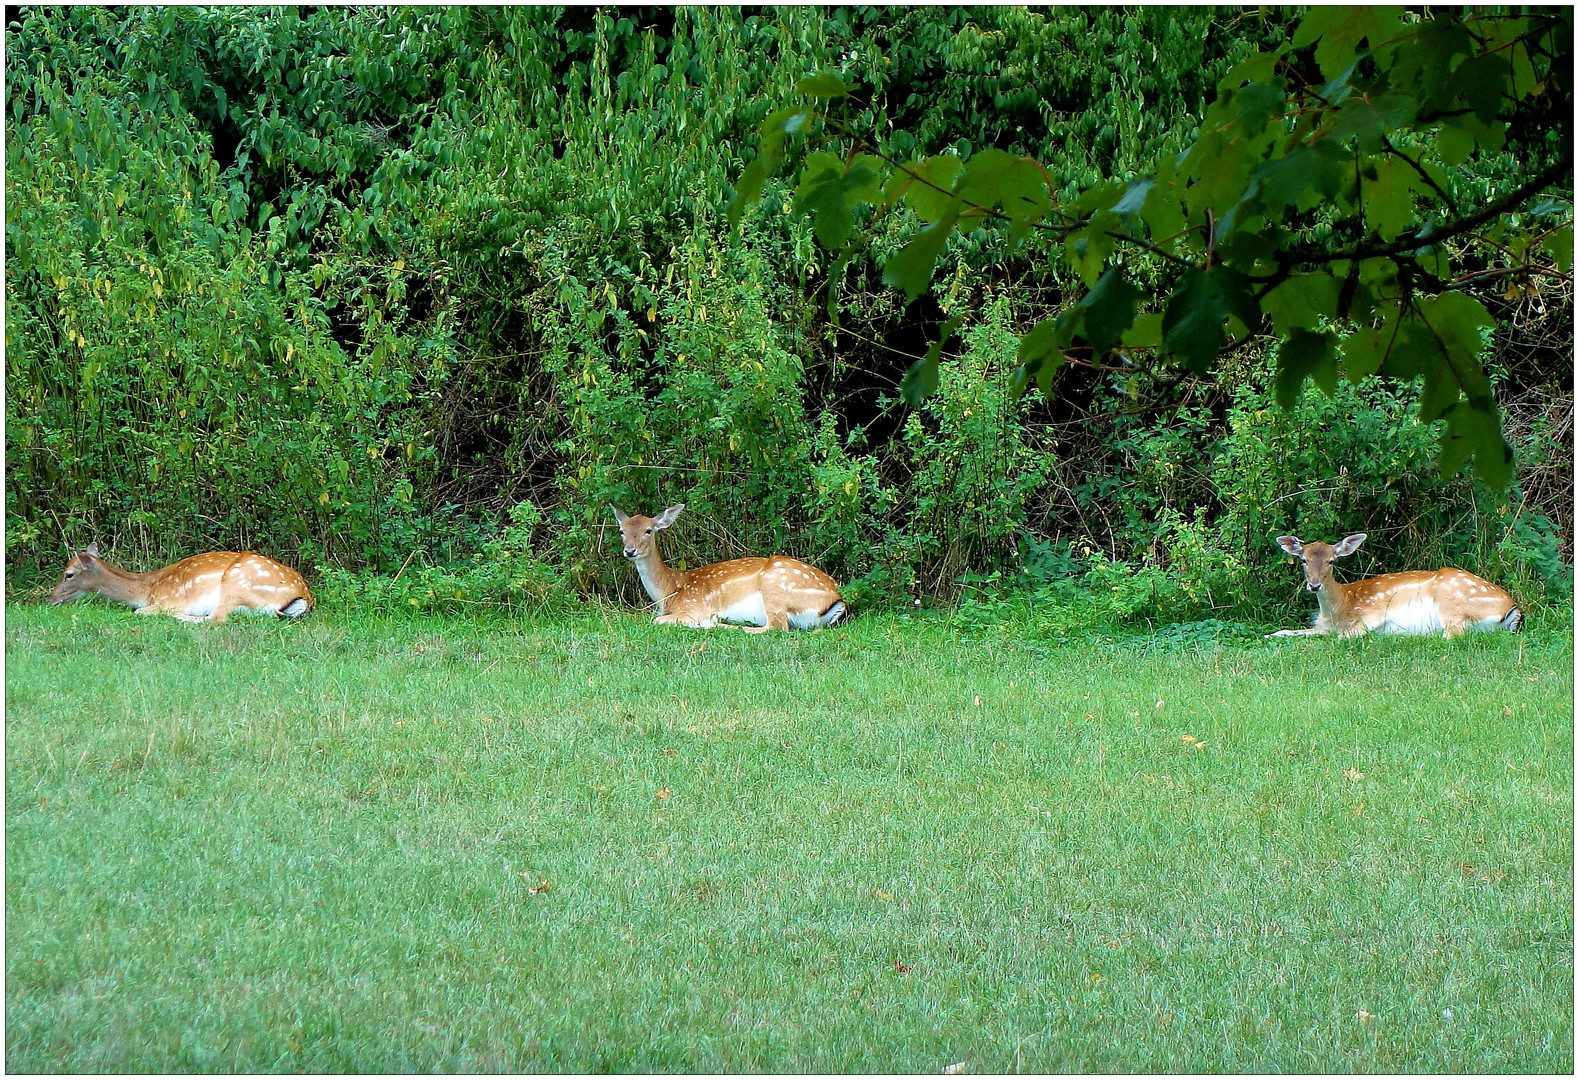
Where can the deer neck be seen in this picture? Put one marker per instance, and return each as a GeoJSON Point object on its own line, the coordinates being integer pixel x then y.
{"type": "Point", "coordinates": [660, 581]}
{"type": "Point", "coordinates": [1330, 600]}
{"type": "Point", "coordinates": [123, 585]}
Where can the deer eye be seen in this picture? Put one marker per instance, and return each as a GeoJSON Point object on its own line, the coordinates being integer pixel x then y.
{"type": "Point", "coordinates": [70, 574]}
{"type": "Point", "coordinates": [648, 532]}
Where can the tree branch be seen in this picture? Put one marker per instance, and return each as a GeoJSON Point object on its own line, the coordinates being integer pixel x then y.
{"type": "Point", "coordinates": [1550, 175]}
{"type": "Point", "coordinates": [1448, 199]}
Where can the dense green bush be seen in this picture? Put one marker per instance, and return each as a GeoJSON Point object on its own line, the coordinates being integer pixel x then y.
{"type": "Point", "coordinates": [409, 296]}
{"type": "Point", "coordinates": [165, 378]}
{"type": "Point", "coordinates": [1202, 511]}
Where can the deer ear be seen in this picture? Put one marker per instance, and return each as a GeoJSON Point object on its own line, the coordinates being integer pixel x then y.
{"type": "Point", "coordinates": [619, 517]}
{"type": "Point", "coordinates": [1291, 544]}
{"type": "Point", "coordinates": [666, 518]}
{"type": "Point", "coordinates": [1347, 545]}
{"type": "Point", "coordinates": [92, 549]}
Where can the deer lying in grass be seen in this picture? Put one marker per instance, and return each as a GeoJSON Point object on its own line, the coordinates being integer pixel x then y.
{"type": "Point", "coordinates": [203, 587]}
{"type": "Point", "coordinates": [1414, 602]}
{"type": "Point", "coordinates": [764, 594]}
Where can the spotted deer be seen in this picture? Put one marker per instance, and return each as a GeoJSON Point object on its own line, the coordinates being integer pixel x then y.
{"type": "Point", "coordinates": [205, 587]}
{"type": "Point", "coordinates": [761, 594]}
{"type": "Point", "coordinates": [1413, 602]}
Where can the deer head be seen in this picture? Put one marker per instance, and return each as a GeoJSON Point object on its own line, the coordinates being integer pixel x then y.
{"type": "Point", "coordinates": [83, 575]}
{"type": "Point", "coordinates": [1318, 557]}
{"type": "Point", "coordinates": [640, 534]}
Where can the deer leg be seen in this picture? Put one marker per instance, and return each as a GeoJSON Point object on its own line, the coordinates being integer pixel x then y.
{"type": "Point", "coordinates": [681, 620]}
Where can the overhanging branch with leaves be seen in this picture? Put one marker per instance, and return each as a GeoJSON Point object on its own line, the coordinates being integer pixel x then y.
{"type": "Point", "coordinates": [1362, 131]}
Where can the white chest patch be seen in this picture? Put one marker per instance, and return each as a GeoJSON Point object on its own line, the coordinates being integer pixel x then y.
{"type": "Point", "coordinates": [647, 582]}
{"type": "Point", "coordinates": [749, 611]}
{"type": "Point", "coordinates": [1415, 617]}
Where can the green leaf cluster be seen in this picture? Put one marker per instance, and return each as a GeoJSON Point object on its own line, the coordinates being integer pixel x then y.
{"type": "Point", "coordinates": [1326, 200]}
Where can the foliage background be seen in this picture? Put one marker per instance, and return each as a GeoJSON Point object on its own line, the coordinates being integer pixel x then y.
{"type": "Point", "coordinates": [409, 296]}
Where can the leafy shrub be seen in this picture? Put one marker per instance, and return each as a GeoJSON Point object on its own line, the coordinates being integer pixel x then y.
{"type": "Point", "coordinates": [348, 285]}
{"type": "Point", "coordinates": [157, 383]}
{"type": "Point", "coordinates": [974, 466]}
{"type": "Point", "coordinates": [504, 574]}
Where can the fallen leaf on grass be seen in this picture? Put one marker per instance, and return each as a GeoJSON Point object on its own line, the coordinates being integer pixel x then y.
{"type": "Point", "coordinates": [664, 793]}
{"type": "Point", "coordinates": [1358, 810]}
{"type": "Point", "coordinates": [901, 968]}
{"type": "Point", "coordinates": [955, 1069]}
{"type": "Point", "coordinates": [534, 890]}
{"type": "Point", "coordinates": [1364, 1017]}
{"type": "Point", "coordinates": [668, 752]}
{"type": "Point", "coordinates": [976, 701]}
{"type": "Point", "coordinates": [881, 895]}
{"type": "Point", "coordinates": [1351, 773]}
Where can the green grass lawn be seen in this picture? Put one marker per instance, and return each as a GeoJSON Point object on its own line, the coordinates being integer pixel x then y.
{"type": "Point", "coordinates": [350, 843]}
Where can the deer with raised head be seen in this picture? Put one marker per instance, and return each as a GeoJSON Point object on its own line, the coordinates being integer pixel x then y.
{"type": "Point", "coordinates": [1448, 601]}
{"type": "Point", "coordinates": [761, 594]}
{"type": "Point", "coordinates": [201, 588]}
